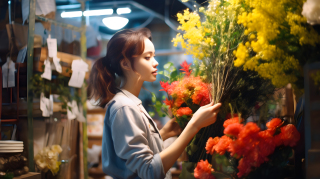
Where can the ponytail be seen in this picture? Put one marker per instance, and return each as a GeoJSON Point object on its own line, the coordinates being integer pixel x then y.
{"type": "Point", "coordinates": [124, 44]}
{"type": "Point", "coordinates": [102, 86]}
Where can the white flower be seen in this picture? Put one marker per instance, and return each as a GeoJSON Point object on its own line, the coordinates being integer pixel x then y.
{"type": "Point", "coordinates": [311, 10]}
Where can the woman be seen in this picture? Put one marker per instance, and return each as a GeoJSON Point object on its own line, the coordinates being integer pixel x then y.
{"type": "Point", "coordinates": [132, 146]}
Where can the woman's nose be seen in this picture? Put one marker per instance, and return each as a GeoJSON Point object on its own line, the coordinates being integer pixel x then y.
{"type": "Point", "coordinates": [155, 63]}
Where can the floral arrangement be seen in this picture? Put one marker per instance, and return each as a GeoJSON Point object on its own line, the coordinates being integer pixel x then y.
{"type": "Point", "coordinates": [47, 159]}
{"type": "Point", "coordinates": [251, 146]}
{"type": "Point", "coordinates": [185, 95]}
{"type": "Point", "coordinates": [278, 41]}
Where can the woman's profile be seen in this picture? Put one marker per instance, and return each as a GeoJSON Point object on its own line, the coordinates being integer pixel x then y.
{"type": "Point", "coordinates": [132, 145]}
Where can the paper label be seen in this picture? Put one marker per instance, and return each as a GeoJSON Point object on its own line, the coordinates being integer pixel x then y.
{"type": "Point", "coordinates": [80, 116]}
{"type": "Point", "coordinates": [72, 114]}
{"type": "Point", "coordinates": [47, 70]}
{"type": "Point", "coordinates": [57, 65]}
{"type": "Point", "coordinates": [52, 47]}
{"type": "Point", "coordinates": [8, 74]}
{"type": "Point", "coordinates": [44, 105]}
{"type": "Point", "coordinates": [79, 69]}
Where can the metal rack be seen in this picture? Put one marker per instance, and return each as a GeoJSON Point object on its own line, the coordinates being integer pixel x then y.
{"type": "Point", "coordinates": [83, 126]}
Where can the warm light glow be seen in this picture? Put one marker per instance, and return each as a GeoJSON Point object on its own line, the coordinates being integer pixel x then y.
{"type": "Point", "coordinates": [124, 10]}
{"type": "Point", "coordinates": [98, 12]}
{"type": "Point", "coordinates": [115, 23]}
{"type": "Point", "coordinates": [87, 13]}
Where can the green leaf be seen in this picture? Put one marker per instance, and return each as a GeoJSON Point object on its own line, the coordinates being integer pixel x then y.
{"type": "Point", "coordinates": [173, 76]}
{"type": "Point", "coordinates": [153, 98]}
{"type": "Point", "coordinates": [172, 68]}
{"type": "Point", "coordinates": [166, 74]}
{"type": "Point", "coordinates": [168, 65]}
{"type": "Point", "coordinates": [160, 72]}
{"type": "Point", "coordinates": [187, 170]}
{"type": "Point", "coordinates": [158, 104]}
{"type": "Point", "coordinates": [151, 113]}
{"type": "Point", "coordinates": [220, 175]}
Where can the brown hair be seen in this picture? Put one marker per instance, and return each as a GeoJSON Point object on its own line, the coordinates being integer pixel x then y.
{"type": "Point", "coordinates": [124, 44]}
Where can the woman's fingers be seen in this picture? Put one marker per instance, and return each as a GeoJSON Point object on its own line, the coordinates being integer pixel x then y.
{"type": "Point", "coordinates": [216, 107]}
{"type": "Point", "coordinates": [208, 105]}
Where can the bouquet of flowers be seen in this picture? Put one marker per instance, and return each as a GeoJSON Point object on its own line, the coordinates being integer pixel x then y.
{"type": "Point", "coordinates": [254, 153]}
{"type": "Point", "coordinates": [186, 95]}
{"type": "Point", "coordinates": [47, 159]}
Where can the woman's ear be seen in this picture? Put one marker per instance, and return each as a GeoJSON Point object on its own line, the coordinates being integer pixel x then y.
{"type": "Point", "coordinates": [125, 64]}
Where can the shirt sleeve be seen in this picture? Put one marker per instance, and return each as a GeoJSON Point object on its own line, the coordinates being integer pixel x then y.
{"type": "Point", "coordinates": [131, 144]}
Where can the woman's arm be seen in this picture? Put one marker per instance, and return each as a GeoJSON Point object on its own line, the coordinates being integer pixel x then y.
{"type": "Point", "coordinates": [205, 116]}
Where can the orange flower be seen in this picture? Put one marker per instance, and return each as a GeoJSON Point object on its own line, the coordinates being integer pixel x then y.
{"type": "Point", "coordinates": [223, 145]}
{"type": "Point", "coordinates": [233, 129]}
{"type": "Point", "coordinates": [274, 123]}
{"type": "Point", "coordinates": [251, 129]}
{"type": "Point", "coordinates": [203, 170]}
{"type": "Point", "coordinates": [172, 87]}
{"type": "Point", "coordinates": [210, 145]}
{"type": "Point", "coordinates": [230, 121]}
{"type": "Point", "coordinates": [289, 135]}
{"type": "Point", "coordinates": [184, 111]}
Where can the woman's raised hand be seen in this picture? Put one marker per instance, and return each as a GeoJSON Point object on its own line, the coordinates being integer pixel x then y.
{"type": "Point", "coordinates": [205, 115]}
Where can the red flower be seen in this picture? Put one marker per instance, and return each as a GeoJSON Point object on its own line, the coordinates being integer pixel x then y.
{"type": "Point", "coordinates": [210, 145]}
{"type": "Point", "coordinates": [274, 123]}
{"type": "Point", "coordinates": [165, 86]}
{"type": "Point", "coordinates": [223, 145]}
{"type": "Point", "coordinates": [168, 102]}
{"type": "Point", "coordinates": [230, 121]}
{"type": "Point", "coordinates": [289, 135]}
{"type": "Point", "coordinates": [184, 111]}
{"type": "Point", "coordinates": [185, 68]}
{"type": "Point", "coordinates": [233, 129]}
{"type": "Point", "coordinates": [203, 170]}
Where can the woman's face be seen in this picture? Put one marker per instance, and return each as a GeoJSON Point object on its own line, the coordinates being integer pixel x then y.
{"type": "Point", "coordinates": [145, 64]}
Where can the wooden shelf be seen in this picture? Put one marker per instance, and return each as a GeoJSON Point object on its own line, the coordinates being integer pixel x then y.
{"type": "Point", "coordinates": [95, 111]}
{"type": "Point", "coordinates": [30, 175]}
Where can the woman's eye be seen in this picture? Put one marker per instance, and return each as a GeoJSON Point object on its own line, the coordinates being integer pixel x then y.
{"type": "Point", "coordinates": [147, 58]}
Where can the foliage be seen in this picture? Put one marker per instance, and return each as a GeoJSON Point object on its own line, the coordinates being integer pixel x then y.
{"type": "Point", "coordinates": [58, 85]}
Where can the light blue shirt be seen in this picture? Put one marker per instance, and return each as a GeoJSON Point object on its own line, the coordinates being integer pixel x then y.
{"type": "Point", "coordinates": [131, 141]}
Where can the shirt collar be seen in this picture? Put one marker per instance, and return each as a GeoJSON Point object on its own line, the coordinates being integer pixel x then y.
{"type": "Point", "coordinates": [136, 100]}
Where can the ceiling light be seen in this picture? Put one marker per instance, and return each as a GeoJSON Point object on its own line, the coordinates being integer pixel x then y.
{"type": "Point", "coordinates": [124, 10]}
{"type": "Point", "coordinates": [98, 12]}
{"type": "Point", "coordinates": [115, 23]}
{"type": "Point", "coordinates": [71, 14]}
{"type": "Point", "coordinates": [87, 13]}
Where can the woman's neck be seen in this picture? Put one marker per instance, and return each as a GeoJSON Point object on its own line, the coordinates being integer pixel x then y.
{"type": "Point", "coordinates": [131, 86]}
